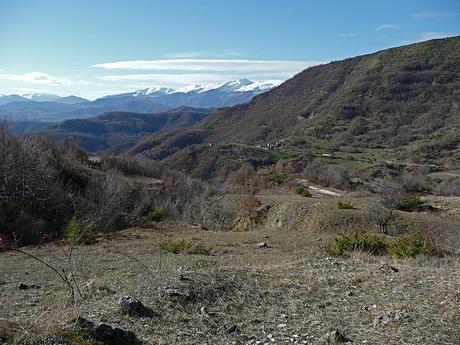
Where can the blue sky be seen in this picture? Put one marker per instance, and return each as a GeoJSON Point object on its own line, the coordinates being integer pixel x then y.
{"type": "Point", "coordinates": [93, 48]}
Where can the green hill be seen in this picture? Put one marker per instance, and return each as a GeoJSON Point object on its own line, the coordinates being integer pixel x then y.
{"type": "Point", "coordinates": [399, 104]}
{"type": "Point", "coordinates": [114, 131]}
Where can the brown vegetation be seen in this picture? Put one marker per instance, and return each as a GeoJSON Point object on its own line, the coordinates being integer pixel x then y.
{"type": "Point", "coordinates": [48, 191]}
{"type": "Point", "coordinates": [399, 100]}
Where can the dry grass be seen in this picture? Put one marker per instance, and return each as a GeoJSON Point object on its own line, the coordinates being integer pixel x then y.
{"type": "Point", "coordinates": [291, 293]}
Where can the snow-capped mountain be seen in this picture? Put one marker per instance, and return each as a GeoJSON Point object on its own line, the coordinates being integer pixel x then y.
{"type": "Point", "coordinates": [214, 95]}
{"type": "Point", "coordinates": [38, 106]}
{"type": "Point", "coordinates": [188, 88]}
{"type": "Point", "coordinates": [153, 91]}
{"type": "Point", "coordinates": [226, 86]}
{"type": "Point", "coordinates": [238, 85]}
{"type": "Point", "coordinates": [260, 86]}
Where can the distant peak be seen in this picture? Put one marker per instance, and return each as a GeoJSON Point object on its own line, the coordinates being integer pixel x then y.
{"type": "Point", "coordinates": [41, 97]}
{"type": "Point", "coordinates": [224, 86]}
{"type": "Point", "coordinates": [159, 90]}
{"type": "Point", "coordinates": [260, 86]}
{"type": "Point", "coordinates": [188, 88]}
{"type": "Point", "coordinates": [153, 91]}
{"type": "Point", "coordinates": [229, 86]}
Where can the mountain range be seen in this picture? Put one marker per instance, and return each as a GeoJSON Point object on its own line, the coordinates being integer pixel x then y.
{"type": "Point", "coordinates": [401, 104]}
{"type": "Point", "coordinates": [52, 108]}
{"type": "Point", "coordinates": [118, 131]}
{"type": "Point", "coordinates": [40, 97]}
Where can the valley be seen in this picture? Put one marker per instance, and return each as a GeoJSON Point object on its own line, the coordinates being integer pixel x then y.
{"type": "Point", "coordinates": [241, 200]}
{"type": "Point", "coordinates": [117, 131]}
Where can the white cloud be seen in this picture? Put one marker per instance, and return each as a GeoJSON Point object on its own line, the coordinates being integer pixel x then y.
{"type": "Point", "coordinates": [182, 72]}
{"type": "Point", "coordinates": [27, 90]}
{"type": "Point", "coordinates": [185, 55]}
{"type": "Point", "coordinates": [387, 26]}
{"type": "Point", "coordinates": [211, 65]}
{"type": "Point", "coordinates": [37, 78]}
{"type": "Point", "coordinates": [347, 34]}
{"type": "Point", "coordinates": [171, 80]}
{"type": "Point", "coordinates": [234, 53]}
{"type": "Point", "coordinates": [82, 82]}
{"type": "Point", "coordinates": [433, 15]}
{"type": "Point", "coordinates": [230, 53]}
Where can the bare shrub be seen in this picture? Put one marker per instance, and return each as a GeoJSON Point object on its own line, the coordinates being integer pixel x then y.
{"type": "Point", "coordinates": [258, 182]}
{"type": "Point", "coordinates": [136, 165]}
{"type": "Point", "coordinates": [72, 151]}
{"type": "Point", "coordinates": [413, 182]}
{"type": "Point", "coordinates": [112, 201]}
{"type": "Point", "coordinates": [108, 198]}
{"type": "Point", "coordinates": [284, 167]}
{"type": "Point", "coordinates": [382, 212]}
{"type": "Point", "coordinates": [242, 176]}
{"type": "Point", "coordinates": [450, 187]}
{"type": "Point", "coordinates": [45, 188]}
{"type": "Point", "coordinates": [180, 194]}
{"type": "Point", "coordinates": [391, 193]}
{"type": "Point", "coordinates": [328, 175]}
{"type": "Point", "coordinates": [336, 176]}
{"type": "Point", "coordinates": [313, 170]}
{"type": "Point", "coordinates": [216, 213]}
{"type": "Point", "coordinates": [34, 203]}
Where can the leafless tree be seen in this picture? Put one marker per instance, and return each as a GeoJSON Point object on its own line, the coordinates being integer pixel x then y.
{"type": "Point", "coordinates": [381, 215]}
{"type": "Point", "coordinates": [32, 197]}
{"type": "Point", "coordinates": [391, 193]}
{"type": "Point", "coordinates": [383, 210]}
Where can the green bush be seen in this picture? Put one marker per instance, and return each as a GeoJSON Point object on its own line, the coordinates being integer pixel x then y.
{"type": "Point", "coordinates": [375, 244]}
{"type": "Point", "coordinates": [368, 242]}
{"type": "Point", "coordinates": [200, 249]}
{"type": "Point", "coordinates": [410, 204]}
{"type": "Point", "coordinates": [345, 205]}
{"type": "Point", "coordinates": [411, 246]}
{"type": "Point", "coordinates": [277, 178]}
{"type": "Point", "coordinates": [303, 191]}
{"type": "Point", "coordinates": [80, 233]}
{"type": "Point", "coordinates": [175, 247]}
{"type": "Point", "coordinates": [157, 214]}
